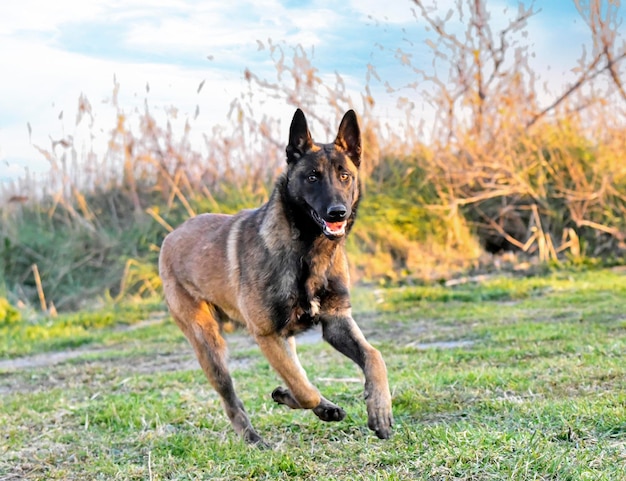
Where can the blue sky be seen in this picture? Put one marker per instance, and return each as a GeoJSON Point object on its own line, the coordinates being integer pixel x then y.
{"type": "Point", "coordinates": [51, 52]}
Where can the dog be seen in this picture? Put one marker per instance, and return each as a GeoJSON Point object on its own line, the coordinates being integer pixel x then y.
{"type": "Point", "coordinates": [279, 270]}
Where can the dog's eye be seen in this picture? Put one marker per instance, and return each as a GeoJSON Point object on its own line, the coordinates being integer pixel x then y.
{"type": "Point", "coordinates": [313, 177]}
{"type": "Point", "coordinates": [344, 177]}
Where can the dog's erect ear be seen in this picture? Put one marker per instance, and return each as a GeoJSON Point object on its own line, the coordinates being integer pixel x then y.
{"type": "Point", "coordinates": [349, 137]}
{"type": "Point", "coordinates": [299, 137]}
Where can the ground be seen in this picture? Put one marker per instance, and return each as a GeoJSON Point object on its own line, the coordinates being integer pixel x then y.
{"type": "Point", "coordinates": [507, 378]}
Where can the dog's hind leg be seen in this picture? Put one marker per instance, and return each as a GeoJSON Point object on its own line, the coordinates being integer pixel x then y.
{"type": "Point", "coordinates": [301, 394]}
{"type": "Point", "coordinates": [198, 321]}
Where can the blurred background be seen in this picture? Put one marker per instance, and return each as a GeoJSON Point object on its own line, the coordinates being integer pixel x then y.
{"type": "Point", "coordinates": [494, 132]}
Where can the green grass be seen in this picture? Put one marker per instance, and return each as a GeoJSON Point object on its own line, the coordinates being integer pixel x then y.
{"type": "Point", "coordinates": [534, 390]}
{"type": "Point", "coordinates": [70, 330]}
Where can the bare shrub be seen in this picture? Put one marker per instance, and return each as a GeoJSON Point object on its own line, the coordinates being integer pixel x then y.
{"type": "Point", "coordinates": [531, 176]}
{"type": "Point", "coordinates": [543, 176]}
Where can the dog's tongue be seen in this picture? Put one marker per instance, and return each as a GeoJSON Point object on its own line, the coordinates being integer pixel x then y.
{"type": "Point", "coordinates": [335, 227]}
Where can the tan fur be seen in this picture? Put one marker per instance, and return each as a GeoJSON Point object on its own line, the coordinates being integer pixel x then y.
{"type": "Point", "coordinates": [258, 269]}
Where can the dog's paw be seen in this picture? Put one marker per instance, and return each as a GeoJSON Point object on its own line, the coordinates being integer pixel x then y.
{"type": "Point", "coordinates": [380, 417]}
{"type": "Point", "coordinates": [381, 424]}
{"type": "Point", "coordinates": [328, 411]}
{"type": "Point", "coordinates": [283, 395]}
{"type": "Point", "coordinates": [253, 439]}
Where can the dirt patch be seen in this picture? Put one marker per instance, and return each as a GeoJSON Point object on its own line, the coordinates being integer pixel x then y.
{"type": "Point", "coordinates": [440, 344]}
{"type": "Point", "coordinates": [161, 362]}
{"type": "Point", "coordinates": [105, 366]}
{"type": "Point", "coordinates": [97, 366]}
{"type": "Point", "coordinates": [45, 360]}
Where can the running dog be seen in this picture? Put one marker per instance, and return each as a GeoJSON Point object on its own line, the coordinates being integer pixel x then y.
{"type": "Point", "coordinates": [279, 270]}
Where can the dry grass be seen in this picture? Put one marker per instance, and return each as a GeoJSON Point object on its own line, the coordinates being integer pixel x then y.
{"type": "Point", "coordinates": [500, 167]}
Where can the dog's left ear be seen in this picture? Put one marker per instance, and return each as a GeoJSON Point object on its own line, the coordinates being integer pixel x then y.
{"type": "Point", "coordinates": [349, 137]}
{"type": "Point", "coordinates": [299, 137]}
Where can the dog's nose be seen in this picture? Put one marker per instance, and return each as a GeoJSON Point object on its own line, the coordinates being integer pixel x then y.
{"type": "Point", "coordinates": [336, 212]}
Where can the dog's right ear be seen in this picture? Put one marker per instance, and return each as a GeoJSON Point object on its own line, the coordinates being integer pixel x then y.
{"type": "Point", "coordinates": [299, 137]}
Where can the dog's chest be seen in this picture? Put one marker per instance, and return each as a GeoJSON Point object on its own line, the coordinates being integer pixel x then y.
{"type": "Point", "coordinates": [304, 300]}
{"type": "Point", "coordinates": [314, 293]}
{"type": "Point", "coordinates": [305, 282]}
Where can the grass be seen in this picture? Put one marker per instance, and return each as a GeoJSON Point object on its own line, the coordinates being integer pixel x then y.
{"type": "Point", "coordinates": [530, 385]}
{"type": "Point", "coordinates": [70, 330]}
{"type": "Point", "coordinates": [507, 378]}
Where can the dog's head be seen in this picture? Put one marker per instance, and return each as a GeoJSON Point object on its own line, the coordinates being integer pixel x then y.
{"type": "Point", "coordinates": [323, 178]}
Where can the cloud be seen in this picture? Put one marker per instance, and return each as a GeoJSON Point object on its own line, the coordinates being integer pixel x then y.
{"type": "Point", "coordinates": [394, 12]}
{"type": "Point", "coordinates": [53, 51]}
{"type": "Point", "coordinates": [48, 85]}
{"type": "Point", "coordinates": [42, 16]}
{"type": "Point", "coordinates": [226, 28]}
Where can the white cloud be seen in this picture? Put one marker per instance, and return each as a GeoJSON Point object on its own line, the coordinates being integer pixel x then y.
{"type": "Point", "coordinates": [46, 80]}
{"type": "Point", "coordinates": [42, 77]}
{"type": "Point", "coordinates": [213, 28]}
{"type": "Point", "coordinates": [51, 81]}
{"type": "Point", "coordinates": [44, 16]}
{"type": "Point", "coordinates": [395, 12]}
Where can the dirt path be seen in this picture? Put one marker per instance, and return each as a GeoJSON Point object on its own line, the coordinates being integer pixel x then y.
{"type": "Point", "coordinates": [88, 364]}
{"type": "Point", "coordinates": [49, 359]}
{"type": "Point", "coordinates": [107, 365]}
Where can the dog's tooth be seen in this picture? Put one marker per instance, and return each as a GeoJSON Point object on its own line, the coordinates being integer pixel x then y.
{"type": "Point", "coordinates": [315, 307]}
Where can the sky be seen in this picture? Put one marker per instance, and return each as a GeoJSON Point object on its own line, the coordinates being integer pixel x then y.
{"type": "Point", "coordinates": [160, 51]}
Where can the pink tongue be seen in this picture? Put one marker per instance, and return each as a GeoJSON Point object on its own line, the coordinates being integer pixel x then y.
{"type": "Point", "coordinates": [335, 226]}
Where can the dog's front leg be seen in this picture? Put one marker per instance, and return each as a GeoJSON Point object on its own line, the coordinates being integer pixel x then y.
{"type": "Point", "coordinates": [301, 394]}
{"type": "Point", "coordinates": [343, 334]}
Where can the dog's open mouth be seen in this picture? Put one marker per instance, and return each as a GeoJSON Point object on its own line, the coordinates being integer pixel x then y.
{"type": "Point", "coordinates": [330, 229]}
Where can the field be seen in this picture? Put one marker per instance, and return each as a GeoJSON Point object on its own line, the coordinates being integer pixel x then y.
{"type": "Point", "coordinates": [494, 378]}
{"type": "Point", "coordinates": [495, 373]}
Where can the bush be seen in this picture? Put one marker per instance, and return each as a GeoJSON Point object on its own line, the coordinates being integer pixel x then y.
{"type": "Point", "coordinates": [8, 313]}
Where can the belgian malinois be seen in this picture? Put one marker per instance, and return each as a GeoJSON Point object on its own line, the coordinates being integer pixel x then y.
{"type": "Point", "coordinates": [279, 270]}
